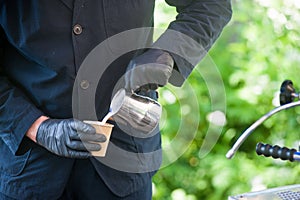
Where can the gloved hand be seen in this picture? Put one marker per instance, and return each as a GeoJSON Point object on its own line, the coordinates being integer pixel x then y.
{"type": "Point", "coordinates": [149, 70]}
{"type": "Point", "coordinates": [69, 137]}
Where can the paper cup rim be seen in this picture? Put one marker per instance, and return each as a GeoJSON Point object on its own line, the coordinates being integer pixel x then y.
{"type": "Point", "coordinates": [98, 123]}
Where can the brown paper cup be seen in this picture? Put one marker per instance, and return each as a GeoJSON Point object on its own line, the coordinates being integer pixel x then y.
{"type": "Point", "coordinates": [103, 129]}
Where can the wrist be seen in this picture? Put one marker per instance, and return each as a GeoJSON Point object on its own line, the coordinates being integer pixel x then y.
{"type": "Point", "coordinates": [32, 131]}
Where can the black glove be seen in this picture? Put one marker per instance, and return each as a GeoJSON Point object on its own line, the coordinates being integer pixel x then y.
{"type": "Point", "coordinates": [149, 70]}
{"type": "Point", "coordinates": [69, 137]}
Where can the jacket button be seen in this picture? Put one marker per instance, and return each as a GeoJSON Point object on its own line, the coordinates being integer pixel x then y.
{"type": "Point", "coordinates": [77, 29]}
{"type": "Point", "coordinates": [84, 84]}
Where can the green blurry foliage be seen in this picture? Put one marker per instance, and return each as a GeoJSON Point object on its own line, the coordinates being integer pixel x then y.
{"type": "Point", "coordinates": [258, 50]}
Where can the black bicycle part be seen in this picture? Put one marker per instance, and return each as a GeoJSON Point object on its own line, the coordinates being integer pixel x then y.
{"type": "Point", "coordinates": [275, 151]}
{"type": "Point", "coordinates": [286, 91]}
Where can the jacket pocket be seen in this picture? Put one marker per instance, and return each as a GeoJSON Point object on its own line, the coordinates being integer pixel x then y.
{"type": "Point", "coordinates": [10, 164]}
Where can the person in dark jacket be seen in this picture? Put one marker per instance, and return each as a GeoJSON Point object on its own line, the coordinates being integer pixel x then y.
{"type": "Point", "coordinates": [45, 148]}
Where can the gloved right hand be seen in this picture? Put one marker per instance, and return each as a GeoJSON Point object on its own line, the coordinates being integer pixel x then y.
{"type": "Point", "coordinates": [69, 137]}
{"type": "Point", "coordinates": [149, 70]}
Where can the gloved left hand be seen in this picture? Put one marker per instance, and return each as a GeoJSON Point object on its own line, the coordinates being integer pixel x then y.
{"type": "Point", "coordinates": [154, 68]}
{"type": "Point", "coordinates": [69, 137]}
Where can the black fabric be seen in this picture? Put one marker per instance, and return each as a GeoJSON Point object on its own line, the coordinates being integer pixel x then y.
{"type": "Point", "coordinates": [85, 183]}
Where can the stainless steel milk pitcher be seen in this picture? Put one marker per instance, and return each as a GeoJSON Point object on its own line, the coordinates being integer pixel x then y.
{"type": "Point", "coordinates": [135, 113]}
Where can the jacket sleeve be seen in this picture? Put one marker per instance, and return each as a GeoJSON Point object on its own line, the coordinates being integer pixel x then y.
{"type": "Point", "coordinates": [17, 113]}
{"type": "Point", "coordinates": [197, 26]}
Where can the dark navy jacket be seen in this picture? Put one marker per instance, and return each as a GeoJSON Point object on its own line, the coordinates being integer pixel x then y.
{"type": "Point", "coordinates": [43, 43]}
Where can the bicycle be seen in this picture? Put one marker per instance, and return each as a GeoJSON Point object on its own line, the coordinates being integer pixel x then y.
{"type": "Point", "coordinates": [292, 192]}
